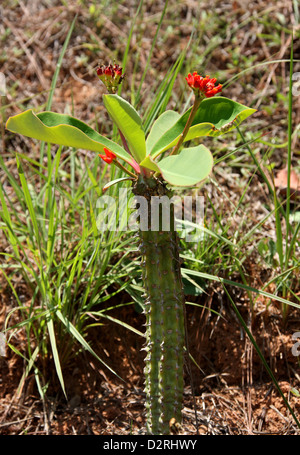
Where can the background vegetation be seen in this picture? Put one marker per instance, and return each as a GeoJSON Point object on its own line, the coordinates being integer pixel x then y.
{"type": "Point", "coordinates": [71, 296]}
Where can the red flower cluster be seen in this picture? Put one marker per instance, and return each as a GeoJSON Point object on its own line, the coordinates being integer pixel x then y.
{"type": "Point", "coordinates": [109, 156]}
{"type": "Point", "coordinates": [203, 86]}
{"type": "Point", "coordinates": [111, 76]}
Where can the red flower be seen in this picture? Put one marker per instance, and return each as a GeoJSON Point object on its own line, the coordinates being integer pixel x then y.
{"type": "Point", "coordinates": [203, 86]}
{"type": "Point", "coordinates": [109, 156]}
{"type": "Point", "coordinates": [111, 76]}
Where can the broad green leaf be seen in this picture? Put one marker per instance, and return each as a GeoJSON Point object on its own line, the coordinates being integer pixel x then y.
{"type": "Point", "coordinates": [214, 117]}
{"type": "Point", "coordinates": [164, 122]}
{"type": "Point", "coordinates": [129, 122]}
{"type": "Point", "coordinates": [64, 130]}
{"type": "Point", "coordinates": [190, 167]}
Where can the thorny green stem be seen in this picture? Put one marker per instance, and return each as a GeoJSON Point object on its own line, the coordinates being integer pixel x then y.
{"type": "Point", "coordinates": [164, 311]}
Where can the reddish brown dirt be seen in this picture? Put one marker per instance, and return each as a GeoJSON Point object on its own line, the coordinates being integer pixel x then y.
{"type": "Point", "coordinates": [232, 391]}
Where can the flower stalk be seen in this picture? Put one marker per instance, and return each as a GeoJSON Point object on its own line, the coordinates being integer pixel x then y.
{"type": "Point", "coordinates": [110, 157]}
{"type": "Point", "coordinates": [195, 107]}
{"type": "Point", "coordinates": [203, 87]}
{"type": "Point", "coordinates": [123, 168]}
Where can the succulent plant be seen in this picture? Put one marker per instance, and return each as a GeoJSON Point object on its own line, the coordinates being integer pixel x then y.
{"type": "Point", "coordinates": [152, 177]}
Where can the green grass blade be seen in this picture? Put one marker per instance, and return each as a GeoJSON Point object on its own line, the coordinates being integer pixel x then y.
{"type": "Point", "coordinates": [58, 65]}
{"type": "Point", "coordinates": [279, 238]}
{"type": "Point", "coordinates": [137, 95]}
{"type": "Point", "coordinates": [52, 338]}
{"type": "Point", "coordinates": [208, 276]}
{"type": "Point", "coordinates": [261, 356]}
{"type": "Point", "coordinates": [28, 200]}
{"type": "Point", "coordinates": [54, 80]}
{"type": "Point", "coordinates": [74, 332]}
{"type": "Point", "coordinates": [289, 157]}
{"type": "Point", "coordinates": [5, 215]}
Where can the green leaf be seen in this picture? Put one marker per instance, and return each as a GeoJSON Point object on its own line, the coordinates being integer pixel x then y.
{"type": "Point", "coordinates": [214, 117]}
{"type": "Point", "coordinates": [129, 122]}
{"type": "Point", "coordinates": [190, 167]}
{"type": "Point", "coordinates": [164, 122]}
{"type": "Point", "coordinates": [64, 130]}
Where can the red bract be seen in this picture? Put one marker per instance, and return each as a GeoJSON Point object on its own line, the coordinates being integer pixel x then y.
{"type": "Point", "coordinates": [109, 156]}
{"type": "Point", "coordinates": [203, 86]}
{"type": "Point", "coordinates": [111, 76]}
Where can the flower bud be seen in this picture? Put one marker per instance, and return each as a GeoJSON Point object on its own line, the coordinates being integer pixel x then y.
{"type": "Point", "coordinates": [111, 76]}
{"type": "Point", "coordinates": [109, 156]}
{"type": "Point", "coordinates": [203, 86]}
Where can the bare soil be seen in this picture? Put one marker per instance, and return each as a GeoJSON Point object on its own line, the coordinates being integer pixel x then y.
{"type": "Point", "coordinates": [227, 393]}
